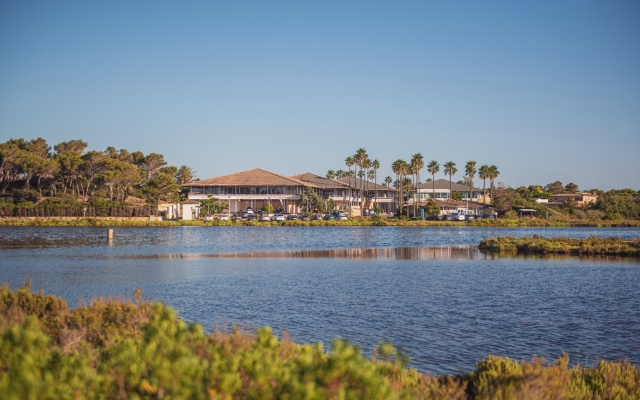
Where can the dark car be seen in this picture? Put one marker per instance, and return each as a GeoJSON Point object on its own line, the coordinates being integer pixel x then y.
{"type": "Point", "coordinates": [433, 218]}
{"type": "Point", "coordinates": [469, 217]}
{"type": "Point", "coordinates": [292, 217]}
{"type": "Point", "coordinates": [251, 217]}
{"type": "Point", "coordinates": [329, 217]}
{"type": "Point", "coordinates": [316, 217]}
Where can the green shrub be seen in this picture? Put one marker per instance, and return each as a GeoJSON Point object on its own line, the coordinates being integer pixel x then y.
{"type": "Point", "coordinates": [115, 349]}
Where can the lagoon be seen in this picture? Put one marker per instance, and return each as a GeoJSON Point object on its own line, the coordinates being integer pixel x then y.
{"type": "Point", "coordinates": [428, 290]}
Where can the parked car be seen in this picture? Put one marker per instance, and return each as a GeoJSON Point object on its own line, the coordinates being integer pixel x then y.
{"type": "Point", "coordinates": [249, 210]}
{"type": "Point", "coordinates": [236, 217]}
{"type": "Point", "coordinates": [433, 218]}
{"type": "Point", "coordinates": [292, 217]}
{"type": "Point", "coordinates": [329, 217]}
{"type": "Point", "coordinates": [316, 217]}
{"type": "Point", "coordinates": [457, 216]}
{"type": "Point", "coordinates": [305, 217]}
{"type": "Point", "coordinates": [208, 217]}
{"type": "Point", "coordinates": [469, 217]}
{"type": "Point", "coordinates": [279, 217]}
{"type": "Point", "coordinates": [224, 218]}
{"type": "Point", "coordinates": [252, 217]}
{"type": "Point", "coordinates": [340, 215]}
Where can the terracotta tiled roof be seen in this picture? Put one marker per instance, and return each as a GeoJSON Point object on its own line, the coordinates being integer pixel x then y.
{"type": "Point", "coordinates": [444, 184]}
{"type": "Point", "coordinates": [358, 183]}
{"type": "Point", "coordinates": [320, 181]}
{"type": "Point", "coordinates": [253, 177]}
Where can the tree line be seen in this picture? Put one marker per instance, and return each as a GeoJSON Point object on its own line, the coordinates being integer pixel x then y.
{"type": "Point", "coordinates": [32, 170]}
{"type": "Point", "coordinates": [408, 174]}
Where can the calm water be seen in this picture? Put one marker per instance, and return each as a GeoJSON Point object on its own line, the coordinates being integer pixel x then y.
{"type": "Point", "coordinates": [428, 290]}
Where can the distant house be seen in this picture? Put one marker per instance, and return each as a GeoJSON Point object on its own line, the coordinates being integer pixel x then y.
{"type": "Point", "coordinates": [374, 195]}
{"type": "Point", "coordinates": [462, 207]}
{"type": "Point", "coordinates": [582, 199]}
{"type": "Point", "coordinates": [426, 191]}
{"type": "Point", "coordinates": [252, 188]}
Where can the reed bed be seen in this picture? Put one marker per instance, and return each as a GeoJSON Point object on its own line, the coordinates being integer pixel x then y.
{"type": "Point", "coordinates": [562, 245]}
{"type": "Point", "coordinates": [116, 348]}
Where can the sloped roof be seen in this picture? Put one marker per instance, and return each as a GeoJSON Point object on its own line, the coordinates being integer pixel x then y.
{"type": "Point", "coordinates": [252, 177]}
{"type": "Point", "coordinates": [320, 181]}
{"type": "Point", "coordinates": [444, 184]}
{"type": "Point", "coordinates": [358, 183]}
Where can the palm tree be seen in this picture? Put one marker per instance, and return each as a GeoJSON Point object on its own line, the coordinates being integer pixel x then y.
{"type": "Point", "coordinates": [359, 157]}
{"type": "Point", "coordinates": [404, 170]}
{"type": "Point", "coordinates": [483, 173]}
{"type": "Point", "coordinates": [375, 164]}
{"type": "Point", "coordinates": [185, 175]}
{"type": "Point", "coordinates": [387, 181]}
{"type": "Point", "coordinates": [470, 170]}
{"type": "Point", "coordinates": [450, 169]}
{"type": "Point", "coordinates": [340, 174]}
{"type": "Point", "coordinates": [433, 169]}
{"type": "Point", "coordinates": [331, 174]}
{"type": "Point", "coordinates": [366, 164]}
{"type": "Point", "coordinates": [349, 161]}
{"type": "Point", "coordinates": [417, 163]}
{"type": "Point", "coordinates": [493, 174]}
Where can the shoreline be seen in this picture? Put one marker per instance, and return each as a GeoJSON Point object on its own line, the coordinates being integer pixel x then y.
{"type": "Point", "coordinates": [146, 222]}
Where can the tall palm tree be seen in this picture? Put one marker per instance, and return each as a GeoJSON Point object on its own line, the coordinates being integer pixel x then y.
{"type": "Point", "coordinates": [340, 174]}
{"type": "Point", "coordinates": [493, 174]}
{"type": "Point", "coordinates": [359, 157]}
{"type": "Point", "coordinates": [470, 171]}
{"type": "Point", "coordinates": [331, 174]}
{"type": "Point", "coordinates": [417, 163]}
{"type": "Point", "coordinates": [450, 169]}
{"type": "Point", "coordinates": [366, 164]}
{"type": "Point", "coordinates": [387, 181]}
{"type": "Point", "coordinates": [404, 170]}
{"type": "Point", "coordinates": [483, 173]}
{"type": "Point", "coordinates": [375, 164]}
{"type": "Point", "coordinates": [350, 161]}
{"type": "Point", "coordinates": [433, 169]}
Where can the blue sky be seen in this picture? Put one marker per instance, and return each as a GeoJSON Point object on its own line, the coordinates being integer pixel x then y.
{"type": "Point", "coordinates": [544, 90]}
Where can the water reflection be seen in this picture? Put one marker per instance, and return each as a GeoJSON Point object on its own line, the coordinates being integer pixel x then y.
{"type": "Point", "coordinates": [467, 252]}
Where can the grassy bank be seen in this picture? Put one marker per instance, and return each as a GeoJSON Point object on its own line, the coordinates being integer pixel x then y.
{"type": "Point", "coordinates": [562, 245]}
{"type": "Point", "coordinates": [135, 349]}
{"type": "Point", "coordinates": [498, 223]}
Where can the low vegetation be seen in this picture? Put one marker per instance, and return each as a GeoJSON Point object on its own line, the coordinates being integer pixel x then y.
{"type": "Point", "coordinates": [562, 245]}
{"type": "Point", "coordinates": [375, 221]}
{"type": "Point", "coordinates": [114, 349]}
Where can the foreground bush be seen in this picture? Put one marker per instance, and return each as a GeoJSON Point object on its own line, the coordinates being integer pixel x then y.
{"type": "Point", "coordinates": [562, 245]}
{"type": "Point", "coordinates": [113, 349]}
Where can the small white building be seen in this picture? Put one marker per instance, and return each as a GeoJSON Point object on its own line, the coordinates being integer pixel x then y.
{"type": "Point", "coordinates": [189, 210]}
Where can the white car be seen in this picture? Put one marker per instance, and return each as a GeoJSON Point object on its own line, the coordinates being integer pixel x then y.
{"type": "Point", "coordinates": [224, 218]}
{"type": "Point", "coordinates": [279, 217]}
{"type": "Point", "coordinates": [208, 217]}
{"type": "Point", "coordinates": [457, 217]}
{"type": "Point", "coordinates": [265, 217]}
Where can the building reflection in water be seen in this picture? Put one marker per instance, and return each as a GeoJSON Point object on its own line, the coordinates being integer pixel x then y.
{"type": "Point", "coordinates": [467, 252]}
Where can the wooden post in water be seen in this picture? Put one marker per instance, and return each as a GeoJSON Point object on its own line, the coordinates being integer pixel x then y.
{"type": "Point", "coordinates": [110, 234]}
